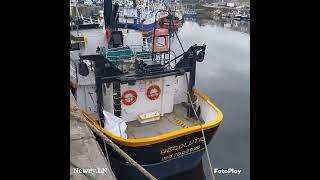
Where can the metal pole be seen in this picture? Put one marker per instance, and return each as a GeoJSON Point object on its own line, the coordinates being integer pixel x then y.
{"type": "Point", "coordinates": [99, 99]}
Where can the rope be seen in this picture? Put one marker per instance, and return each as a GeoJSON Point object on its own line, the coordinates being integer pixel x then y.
{"type": "Point", "coordinates": [204, 138]}
{"type": "Point", "coordinates": [75, 113]}
{"type": "Point", "coordinates": [104, 143]}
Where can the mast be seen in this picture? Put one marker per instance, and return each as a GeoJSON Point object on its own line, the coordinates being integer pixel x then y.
{"type": "Point", "coordinates": [107, 10]}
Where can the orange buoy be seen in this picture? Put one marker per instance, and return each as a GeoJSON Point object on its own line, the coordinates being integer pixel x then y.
{"type": "Point", "coordinates": [129, 97]}
{"type": "Point", "coordinates": [153, 95]}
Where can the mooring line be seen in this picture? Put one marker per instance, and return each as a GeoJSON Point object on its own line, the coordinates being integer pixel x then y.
{"type": "Point", "coordinates": [204, 138]}
{"type": "Point", "coordinates": [77, 114]}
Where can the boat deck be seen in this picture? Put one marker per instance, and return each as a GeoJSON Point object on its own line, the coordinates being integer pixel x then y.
{"type": "Point", "coordinates": [167, 123]}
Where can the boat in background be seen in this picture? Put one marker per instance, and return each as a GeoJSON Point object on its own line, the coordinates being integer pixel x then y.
{"type": "Point", "coordinates": [190, 14]}
{"type": "Point", "coordinates": [237, 16]}
{"type": "Point", "coordinates": [241, 17]}
{"type": "Point", "coordinates": [244, 18]}
{"type": "Point", "coordinates": [140, 16]}
{"type": "Point", "coordinates": [174, 20]}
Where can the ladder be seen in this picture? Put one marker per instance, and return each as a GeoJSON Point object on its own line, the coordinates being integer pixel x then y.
{"type": "Point", "coordinates": [160, 50]}
{"type": "Point", "coordinates": [116, 99]}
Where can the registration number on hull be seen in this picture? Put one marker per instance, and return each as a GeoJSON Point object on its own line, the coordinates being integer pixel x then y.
{"type": "Point", "coordinates": [181, 149]}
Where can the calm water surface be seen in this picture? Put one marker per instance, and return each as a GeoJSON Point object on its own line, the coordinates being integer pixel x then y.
{"type": "Point", "coordinates": [224, 76]}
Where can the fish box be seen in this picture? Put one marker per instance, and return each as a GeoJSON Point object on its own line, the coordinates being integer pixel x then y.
{"type": "Point", "coordinates": [149, 117]}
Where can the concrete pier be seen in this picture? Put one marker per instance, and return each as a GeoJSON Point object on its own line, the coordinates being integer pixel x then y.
{"type": "Point", "coordinates": [85, 153]}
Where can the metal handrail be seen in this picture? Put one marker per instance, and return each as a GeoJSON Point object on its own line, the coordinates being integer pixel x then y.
{"type": "Point", "coordinates": [134, 48]}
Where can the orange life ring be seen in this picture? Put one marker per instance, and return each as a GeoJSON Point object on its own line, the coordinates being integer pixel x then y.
{"type": "Point", "coordinates": [131, 99]}
{"type": "Point", "coordinates": [108, 35]}
{"type": "Point", "coordinates": [153, 96]}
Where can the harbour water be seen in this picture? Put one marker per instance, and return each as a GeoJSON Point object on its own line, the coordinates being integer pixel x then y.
{"type": "Point", "coordinates": [224, 76]}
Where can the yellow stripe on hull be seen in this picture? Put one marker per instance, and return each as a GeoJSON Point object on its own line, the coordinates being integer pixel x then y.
{"type": "Point", "coordinates": [73, 85]}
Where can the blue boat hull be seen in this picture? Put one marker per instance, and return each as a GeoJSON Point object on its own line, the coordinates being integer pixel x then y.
{"type": "Point", "coordinates": [162, 170]}
{"type": "Point", "coordinates": [163, 159]}
{"type": "Point", "coordinates": [137, 26]}
{"type": "Point", "coordinates": [244, 19]}
{"type": "Point", "coordinates": [189, 15]}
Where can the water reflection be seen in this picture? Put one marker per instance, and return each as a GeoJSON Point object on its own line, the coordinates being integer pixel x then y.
{"type": "Point", "coordinates": [229, 23]}
{"type": "Point", "coordinates": [196, 173]}
{"type": "Point", "coordinates": [224, 76]}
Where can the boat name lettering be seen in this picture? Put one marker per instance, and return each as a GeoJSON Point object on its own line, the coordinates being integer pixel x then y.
{"type": "Point", "coordinates": [180, 146]}
{"type": "Point", "coordinates": [192, 149]}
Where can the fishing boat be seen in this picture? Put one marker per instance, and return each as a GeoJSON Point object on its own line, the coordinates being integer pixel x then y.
{"type": "Point", "coordinates": [171, 20]}
{"type": "Point", "coordinates": [237, 16]}
{"type": "Point", "coordinates": [190, 14]}
{"type": "Point", "coordinates": [148, 106]}
{"type": "Point", "coordinates": [244, 18]}
{"type": "Point", "coordinates": [241, 17]}
{"type": "Point", "coordinates": [138, 16]}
